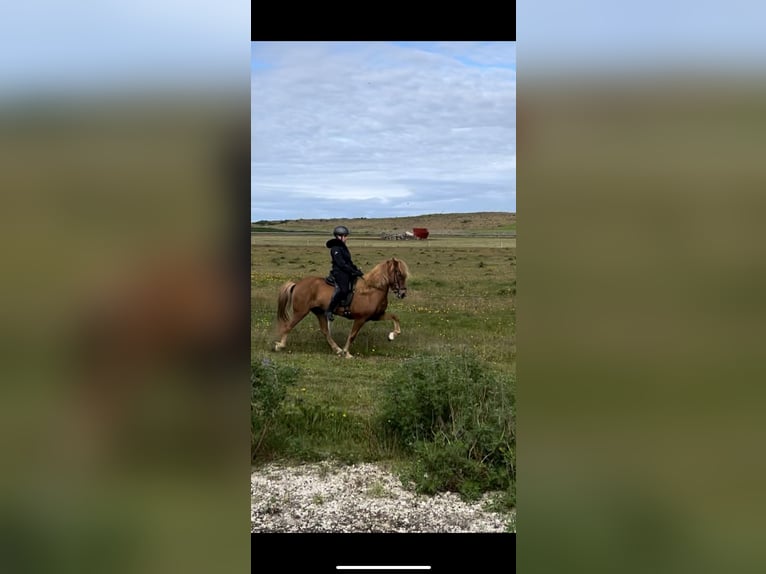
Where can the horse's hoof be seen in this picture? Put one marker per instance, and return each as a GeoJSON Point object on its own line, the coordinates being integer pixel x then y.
{"type": "Point", "coordinates": [391, 336]}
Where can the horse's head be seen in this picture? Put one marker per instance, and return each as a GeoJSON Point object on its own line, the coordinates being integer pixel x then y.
{"type": "Point", "coordinates": [397, 277]}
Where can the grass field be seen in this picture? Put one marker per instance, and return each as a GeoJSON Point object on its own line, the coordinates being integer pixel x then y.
{"type": "Point", "coordinates": [460, 293]}
{"type": "Point", "coordinates": [460, 298]}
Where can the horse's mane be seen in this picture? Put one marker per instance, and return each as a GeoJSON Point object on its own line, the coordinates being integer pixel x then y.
{"type": "Point", "coordinates": [377, 277]}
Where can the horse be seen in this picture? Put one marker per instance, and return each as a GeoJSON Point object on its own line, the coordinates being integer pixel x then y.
{"type": "Point", "coordinates": [312, 294]}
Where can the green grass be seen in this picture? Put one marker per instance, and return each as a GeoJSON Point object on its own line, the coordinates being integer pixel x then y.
{"type": "Point", "coordinates": [451, 300]}
{"type": "Point", "coordinates": [460, 298]}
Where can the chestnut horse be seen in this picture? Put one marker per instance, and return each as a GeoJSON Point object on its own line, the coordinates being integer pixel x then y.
{"type": "Point", "coordinates": [369, 303]}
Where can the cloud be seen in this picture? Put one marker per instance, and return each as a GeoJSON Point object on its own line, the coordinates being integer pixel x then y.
{"type": "Point", "coordinates": [380, 122]}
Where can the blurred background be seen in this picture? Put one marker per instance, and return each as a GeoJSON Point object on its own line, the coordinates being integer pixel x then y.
{"type": "Point", "coordinates": [124, 155]}
{"type": "Point", "coordinates": [124, 165]}
{"type": "Point", "coordinates": [641, 275]}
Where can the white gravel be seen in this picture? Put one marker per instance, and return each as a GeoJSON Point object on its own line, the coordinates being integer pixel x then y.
{"type": "Point", "coordinates": [331, 497]}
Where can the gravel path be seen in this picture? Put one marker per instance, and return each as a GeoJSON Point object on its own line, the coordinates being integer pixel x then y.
{"type": "Point", "coordinates": [330, 497]}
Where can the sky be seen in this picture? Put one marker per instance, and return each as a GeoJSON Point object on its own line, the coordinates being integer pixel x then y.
{"type": "Point", "coordinates": [629, 38]}
{"type": "Point", "coordinates": [382, 129]}
{"type": "Point", "coordinates": [85, 47]}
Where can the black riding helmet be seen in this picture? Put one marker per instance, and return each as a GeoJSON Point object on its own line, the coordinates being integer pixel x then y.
{"type": "Point", "coordinates": [340, 230]}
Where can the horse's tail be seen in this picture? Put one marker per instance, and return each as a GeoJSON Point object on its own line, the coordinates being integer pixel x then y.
{"type": "Point", "coordinates": [284, 302]}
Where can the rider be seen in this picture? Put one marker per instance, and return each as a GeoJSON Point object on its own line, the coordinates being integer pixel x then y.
{"type": "Point", "coordinates": [343, 269]}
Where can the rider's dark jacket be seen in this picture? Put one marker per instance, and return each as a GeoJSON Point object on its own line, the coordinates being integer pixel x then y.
{"type": "Point", "coordinates": [343, 269]}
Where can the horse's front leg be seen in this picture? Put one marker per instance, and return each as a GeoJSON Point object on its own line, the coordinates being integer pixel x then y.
{"type": "Point", "coordinates": [352, 335]}
{"type": "Point", "coordinates": [390, 316]}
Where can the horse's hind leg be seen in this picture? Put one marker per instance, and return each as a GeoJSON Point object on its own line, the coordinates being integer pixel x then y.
{"type": "Point", "coordinates": [324, 326]}
{"type": "Point", "coordinates": [285, 329]}
{"type": "Point", "coordinates": [397, 330]}
{"type": "Point", "coordinates": [352, 335]}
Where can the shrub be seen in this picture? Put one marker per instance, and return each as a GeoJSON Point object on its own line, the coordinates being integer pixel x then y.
{"type": "Point", "coordinates": [458, 418]}
{"type": "Point", "coordinates": [268, 387]}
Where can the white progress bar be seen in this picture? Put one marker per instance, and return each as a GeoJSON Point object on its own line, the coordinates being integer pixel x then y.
{"type": "Point", "coordinates": [382, 567]}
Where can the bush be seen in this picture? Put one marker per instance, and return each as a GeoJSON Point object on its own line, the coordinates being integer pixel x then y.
{"type": "Point", "coordinates": [268, 387]}
{"type": "Point", "coordinates": [458, 418]}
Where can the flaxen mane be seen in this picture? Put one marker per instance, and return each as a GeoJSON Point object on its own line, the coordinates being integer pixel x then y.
{"type": "Point", "coordinates": [377, 278]}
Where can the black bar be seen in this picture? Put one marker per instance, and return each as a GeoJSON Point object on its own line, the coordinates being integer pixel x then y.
{"type": "Point", "coordinates": [324, 552]}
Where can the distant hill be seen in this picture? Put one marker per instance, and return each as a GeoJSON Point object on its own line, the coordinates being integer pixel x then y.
{"type": "Point", "coordinates": [487, 222]}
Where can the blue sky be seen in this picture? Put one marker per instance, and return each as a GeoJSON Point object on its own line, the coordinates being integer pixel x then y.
{"type": "Point", "coordinates": [613, 40]}
{"type": "Point", "coordinates": [382, 129]}
{"type": "Point", "coordinates": [84, 47]}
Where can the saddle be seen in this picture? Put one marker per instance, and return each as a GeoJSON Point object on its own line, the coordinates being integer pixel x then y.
{"type": "Point", "coordinates": [346, 301]}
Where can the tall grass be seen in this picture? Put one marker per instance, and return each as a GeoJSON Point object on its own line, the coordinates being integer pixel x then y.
{"type": "Point", "coordinates": [457, 419]}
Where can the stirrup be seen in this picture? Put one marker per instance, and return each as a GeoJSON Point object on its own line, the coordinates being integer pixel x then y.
{"type": "Point", "coordinates": [329, 315]}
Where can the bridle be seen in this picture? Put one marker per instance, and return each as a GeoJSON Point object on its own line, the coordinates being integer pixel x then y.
{"type": "Point", "coordinates": [397, 287]}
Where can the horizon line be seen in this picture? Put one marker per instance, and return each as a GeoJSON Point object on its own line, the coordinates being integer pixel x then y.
{"type": "Point", "coordinates": [389, 217]}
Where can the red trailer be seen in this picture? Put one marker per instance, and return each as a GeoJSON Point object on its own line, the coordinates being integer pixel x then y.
{"type": "Point", "coordinates": [420, 232]}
